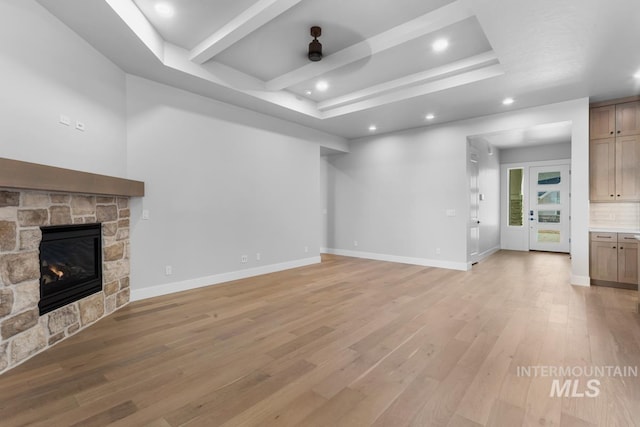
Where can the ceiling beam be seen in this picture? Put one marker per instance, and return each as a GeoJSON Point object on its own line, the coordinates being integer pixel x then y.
{"type": "Point", "coordinates": [134, 19]}
{"type": "Point", "coordinates": [239, 27]}
{"type": "Point", "coordinates": [221, 75]}
{"type": "Point", "coordinates": [425, 24]}
{"type": "Point", "coordinates": [468, 77]}
{"type": "Point", "coordinates": [467, 64]}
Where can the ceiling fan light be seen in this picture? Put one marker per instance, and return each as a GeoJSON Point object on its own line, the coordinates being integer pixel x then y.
{"type": "Point", "coordinates": [315, 51]}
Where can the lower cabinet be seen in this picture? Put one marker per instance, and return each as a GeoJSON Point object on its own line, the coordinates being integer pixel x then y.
{"type": "Point", "coordinates": [614, 259]}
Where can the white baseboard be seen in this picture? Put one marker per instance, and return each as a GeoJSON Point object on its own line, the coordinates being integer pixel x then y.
{"type": "Point", "coordinates": [486, 254]}
{"type": "Point", "coordinates": [463, 266]}
{"type": "Point", "coordinates": [580, 280]}
{"type": "Point", "coordinates": [200, 282]}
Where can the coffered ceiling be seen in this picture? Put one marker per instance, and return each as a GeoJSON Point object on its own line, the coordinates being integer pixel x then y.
{"type": "Point", "coordinates": [379, 64]}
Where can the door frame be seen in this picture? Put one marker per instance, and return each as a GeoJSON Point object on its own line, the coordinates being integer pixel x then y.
{"type": "Point", "coordinates": [564, 226]}
{"type": "Point", "coordinates": [473, 224]}
{"type": "Point", "coordinates": [517, 238]}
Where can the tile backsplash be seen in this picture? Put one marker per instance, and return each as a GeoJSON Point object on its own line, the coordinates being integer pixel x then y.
{"type": "Point", "coordinates": [614, 215]}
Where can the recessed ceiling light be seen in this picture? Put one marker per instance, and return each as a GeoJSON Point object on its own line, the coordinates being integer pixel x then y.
{"type": "Point", "coordinates": [440, 45]}
{"type": "Point", "coordinates": [637, 75]}
{"type": "Point", "coordinates": [322, 85]}
{"type": "Point", "coordinates": [508, 101]}
{"type": "Point", "coordinates": [430, 117]}
{"type": "Point", "coordinates": [164, 10]}
{"type": "Point", "coordinates": [308, 92]}
{"type": "Point", "coordinates": [373, 128]}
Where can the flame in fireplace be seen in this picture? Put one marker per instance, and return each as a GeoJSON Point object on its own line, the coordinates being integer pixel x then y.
{"type": "Point", "coordinates": [55, 270]}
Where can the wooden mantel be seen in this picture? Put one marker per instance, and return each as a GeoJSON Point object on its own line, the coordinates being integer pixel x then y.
{"type": "Point", "coordinates": [32, 176]}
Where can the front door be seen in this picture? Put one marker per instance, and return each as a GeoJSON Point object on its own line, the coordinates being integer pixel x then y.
{"type": "Point", "coordinates": [549, 201]}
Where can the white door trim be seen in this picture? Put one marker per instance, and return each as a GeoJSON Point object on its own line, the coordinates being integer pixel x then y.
{"type": "Point", "coordinates": [510, 237]}
{"type": "Point", "coordinates": [563, 227]}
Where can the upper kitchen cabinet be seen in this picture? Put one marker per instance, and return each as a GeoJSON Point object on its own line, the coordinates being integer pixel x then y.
{"type": "Point", "coordinates": [602, 122]}
{"type": "Point", "coordinates": [614, 151]}
{"type": "Point", "coordinates": [628, 119]}
{"type": "Point", "coordinates": [615, 120]}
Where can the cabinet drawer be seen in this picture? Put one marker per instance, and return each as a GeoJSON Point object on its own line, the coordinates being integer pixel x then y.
{"type": "Point", "coordinates": [604, 237]}
{"type": "Point", "coordinates": [627, 237]}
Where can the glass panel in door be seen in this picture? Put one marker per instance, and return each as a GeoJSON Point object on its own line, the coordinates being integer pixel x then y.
{"type": "Point", "coordinates": [549, 227]}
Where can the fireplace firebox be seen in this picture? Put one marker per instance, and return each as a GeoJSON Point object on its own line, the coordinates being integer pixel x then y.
{"type": "Point", "coordinates": [70, 264]}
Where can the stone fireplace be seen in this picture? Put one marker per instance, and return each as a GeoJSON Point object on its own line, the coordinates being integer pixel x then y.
{"type": "Point", "coordinates": [24, 332]}
{"type": "Point", "coordinates": [70, 264]}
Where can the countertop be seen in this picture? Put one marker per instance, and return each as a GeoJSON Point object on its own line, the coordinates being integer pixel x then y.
{"type": "Point", "coordinates": [614, 230]}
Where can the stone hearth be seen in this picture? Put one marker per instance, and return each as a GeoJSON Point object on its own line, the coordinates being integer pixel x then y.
{"type": "Point", "coordinates": [23, 333]}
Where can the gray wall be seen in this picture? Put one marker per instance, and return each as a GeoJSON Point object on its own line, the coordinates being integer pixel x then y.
{"type": "Point", "coordinates": [391, 192]}
{"type": "Point", "coordinates": [47, 70]}
{"type": "Point", "coordinates": [536, 153]}
{"type": "Point", "coordinates": [217, 187]}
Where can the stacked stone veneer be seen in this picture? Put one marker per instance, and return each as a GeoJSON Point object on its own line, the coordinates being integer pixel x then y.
{"type": "Point", "coordinates": [23, 332]}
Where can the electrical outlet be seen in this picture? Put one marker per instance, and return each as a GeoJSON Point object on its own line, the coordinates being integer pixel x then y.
{"type": "Point", "coordinates": [244, 259]}
{"type": "Point", "coordinates": [80, 126]}
{"type": "Point", "coordinates": [306, 249]}
{"type": "Point", "coordinates": [355, 243]}
{"type": "Point", "coordinates": [168, 270]}
{"type": "Point", "coordinates": [65, 120]}
{"type": "Point", "coordinates": [145, 214]}
{"type": "Point", "coordinates": [258, 256]}
{"type": "Point", "coordinates": [438, 251]}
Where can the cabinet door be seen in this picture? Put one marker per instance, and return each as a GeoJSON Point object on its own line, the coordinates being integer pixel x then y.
{"type": "Point", "coordinates": [628, 119]}
{"type": "Point", "coordinates": [604, 261]}
{"type": "Point", "coordinates": [628, 262]}
{"type": "Point", "coordinates": [602, 122]}
{"type": "Point", "coordinates": [602, 164]}
{"type": "Point", "coordinates": [628, 168]}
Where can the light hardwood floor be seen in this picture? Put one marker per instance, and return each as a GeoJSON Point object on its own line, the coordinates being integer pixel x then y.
{"type": "Point", "coordinates": [347, 342]}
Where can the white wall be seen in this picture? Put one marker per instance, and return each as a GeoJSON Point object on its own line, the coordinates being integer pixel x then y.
{"type": "Point", "coordinates": [391, 192]}
{"type": "Point", "coordinates": [536, 153]}
{"type": "Point", "coordinates": [217, 187]}
{"type": "Point", "coordinates": [47, 70]}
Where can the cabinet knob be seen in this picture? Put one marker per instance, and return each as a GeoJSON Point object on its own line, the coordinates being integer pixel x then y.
{"type": "Point", "coordinates": [618, 131]}
{"type": "Point", "coordinates": [614, 247]}
{"type": "Point", "coordinates": [611, 195]}
{"type": "Point", "coordinates": [621, 247]}
{"type": "Point", "coordinates": [618, 195]}
{"type": "Point", "coordinates": [611, 133]}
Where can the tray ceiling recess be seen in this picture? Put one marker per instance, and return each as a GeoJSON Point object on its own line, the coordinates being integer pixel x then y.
{"type": "Point", "coordinates": [260, 48]}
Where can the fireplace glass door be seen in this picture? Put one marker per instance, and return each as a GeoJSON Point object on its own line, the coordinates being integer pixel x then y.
{"type": "Point", "coordinates": [70, 264]}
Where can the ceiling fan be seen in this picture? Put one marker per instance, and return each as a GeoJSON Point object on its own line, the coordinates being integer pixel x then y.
{"type": "Point", "coordinates": [315, 47]}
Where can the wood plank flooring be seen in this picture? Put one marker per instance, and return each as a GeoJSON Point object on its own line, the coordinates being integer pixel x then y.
{"type": "Point", "coordinates": [348, 342]}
